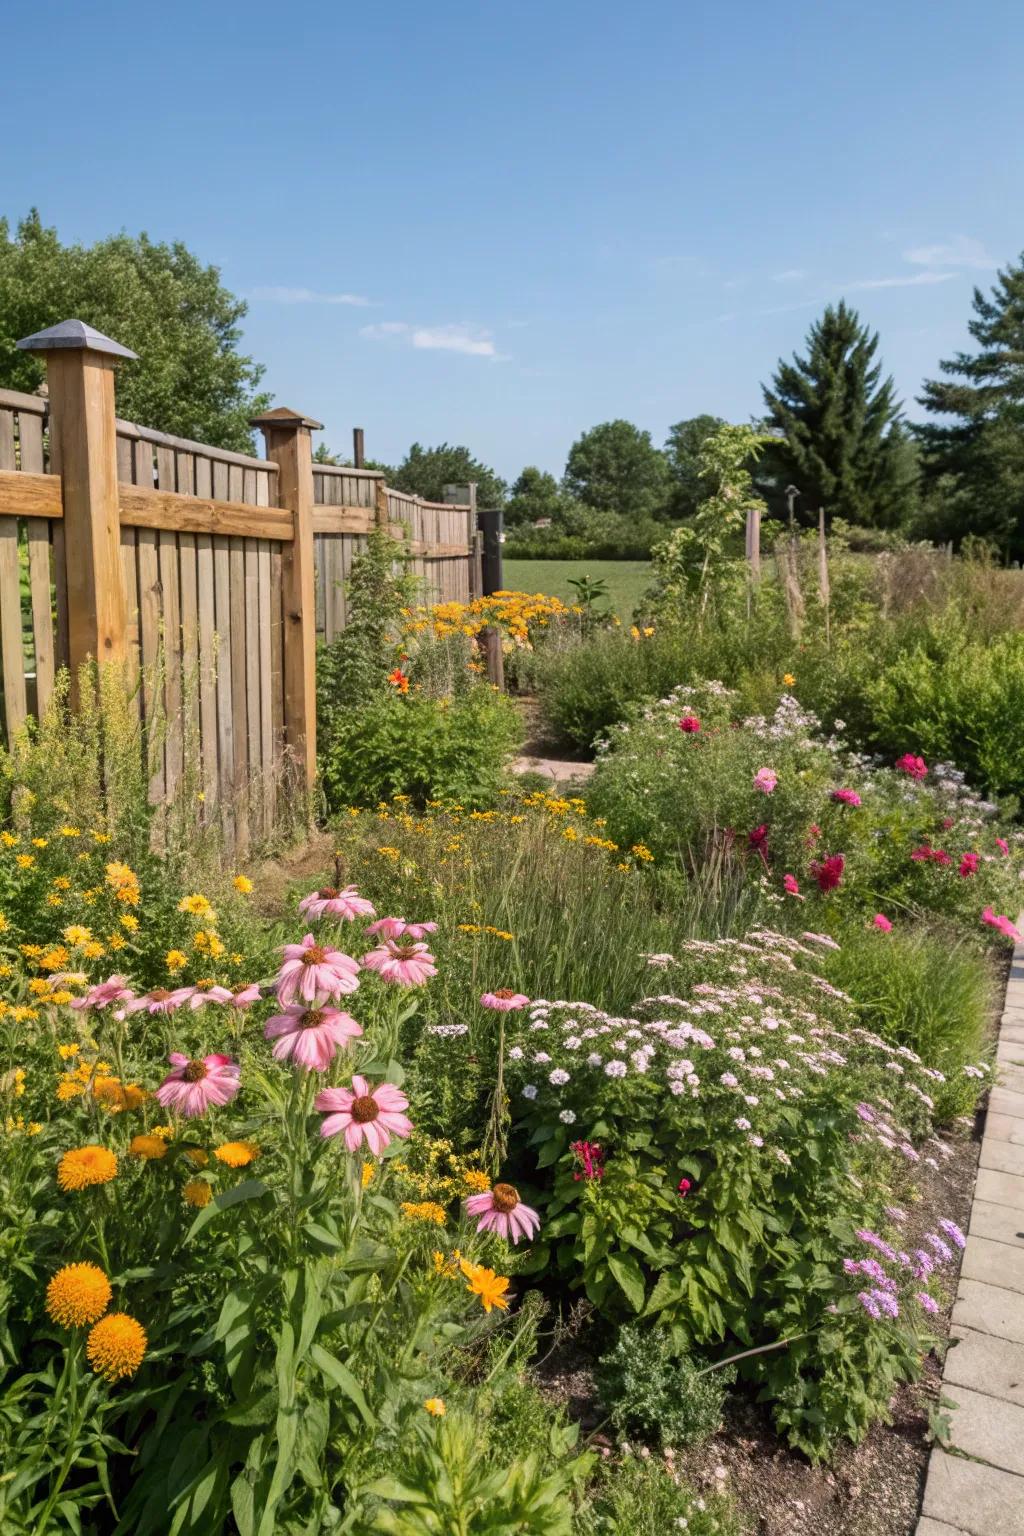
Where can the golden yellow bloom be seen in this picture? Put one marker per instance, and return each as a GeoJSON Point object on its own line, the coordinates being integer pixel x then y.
{"type": "Point", "coordinates": [435, 1407]}
{"type": "Point", "coordinates": [55, 959]}
{"type": "Point", "coordinates": [93, 951]}
{"type": "Point", "coordinates": [130, 921]}
{"type": "Point", "coordinates": [70, 832]}
{"type": "Point", "coordinates": [68, 1088]}
{"type": "Point", "coordinates": [53, 901]}
{"type": "Point", "coordinates": [116, 1346]}
{"type": "Point", "coordinates": [642, 852]}
{"type": "Point", "coordinates": [78, 1294]}
{"type": "Point", "coordinates": [237, 1154]}
{"type": "Point", "coordinates": [483, 1282]}
{"type": "Point", "coordinates": [39, 987]}
{"type": "Point", "coordinates": [476, 1181]}
{"type": "Point", "coordinates": [387, 852]}
{"type": "Point", "coordinates": [788, 679]}
{"type": "Point", "coordinates": [176, 959]}
{"type": "Point", "coordinates": [62, 883]}
{"type": "Point", "coordinates": [425, 1210]}
{"type": "Point", "coordinates": [24, 860]}
{"type": "Point", "coordinates": [116, 941]}
{"type": "Point", "coordinates": [23, 1015]}
{"type": "Point", "coordinates": [366, 1174]}
{"type": "Point", "coordinates": [150, 1148]}
{"type": "Point", "coordinates": [196, 906]}
{"type": "Point", "coordinates": [85, 1166]}
{"type": "Point", "coordinates": [166, 1131]}
{"type": "Point", "coordinates": [8, 839]}
{"type": "Point", "coordinates": [243, 884]}
{"type": "Point", "coordinates": [124, 883]}
{"type": "Point", "coordinates": [197, 1156]}
{"type": "Point", "coordinates": [65, 1052]}
{"type": "Point", "coordinates": [198, 1193]}
{"type": "Point", "coordinates": [449, 1268]}
{"type": "Point", "coordinates": [39, 842]}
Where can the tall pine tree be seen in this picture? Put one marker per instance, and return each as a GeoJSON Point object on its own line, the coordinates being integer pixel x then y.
{"type": "Point", "coordinates": [841, 437]}
{"type": "Point", "coordinates": [974, 460]}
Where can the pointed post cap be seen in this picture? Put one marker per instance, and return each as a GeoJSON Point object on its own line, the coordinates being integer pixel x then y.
{"type": "Point", "coordinates": [281, 416]}
{"type": "Point", "coordinates": [74, 335]}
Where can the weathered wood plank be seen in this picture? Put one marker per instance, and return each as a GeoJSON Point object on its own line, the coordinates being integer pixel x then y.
{"type": "Point", "coordinates": [236, 639]}
{"type": "Point", "coordinates": [207, 667]}
{"type": "Point", "coordinates": [170, 593]}
{"type": "Point", "coordinates": [26, 495]}
{"type": "Point", "coordinates": [267, 795]}
{"type": "Point", "coordinates": [30, 443]}
{"type": "Point", "coordinates": [252, 655]}
{"type": "Point", "coordinates": [195, 514]}
{"type": "Point", "coordinates": [11, 652]}
{"type": "Point", "coordinates": [225, 721]}
{"type": "Point", "coordinates": [152, 659]}
{"type": "Point", "coordinates": [189, 648]}
{"type": "Point", "coordinates": [41, 598]}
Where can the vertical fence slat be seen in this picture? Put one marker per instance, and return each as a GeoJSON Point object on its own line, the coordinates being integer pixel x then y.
{"type": "Point", "coordinates": [152, 661]}
{"type": "Point", "coordinates": [8, 458]}
{"type": "Point", "coordinates": [189, 648]}
{"type": "Point", "coordinates": [41, 600]}
{"type": "Point", "coordinates": [266, 721]}
{"type": "Point", "coordinates": [276, 650]}
{"type": "Point", "coordinates": [207, 666]}
{"type": "Point", "coordinates": [252, 654]}
{"type": "Point", "coordinates": [225, 724]}
{"type": "Point", "coordinates": [169, 561]}
{"type": "Point", "coordinates": [239, 716]}
{"type": "Point", "coordinates": [11, 652]}
{"type": "Point", "coordinates": [30, 442]}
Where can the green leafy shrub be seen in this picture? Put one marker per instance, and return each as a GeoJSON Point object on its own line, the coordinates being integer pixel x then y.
{"type": "Point", "coordinates": [647, 1387]}
{"type": "Point", "coordinates": [425, 748]}
{"type": "Point", "coordinates": [642, 1497]}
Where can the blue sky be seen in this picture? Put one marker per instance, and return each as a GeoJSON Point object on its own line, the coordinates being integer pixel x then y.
{"type": "Point", "coordinates": [499, 224]}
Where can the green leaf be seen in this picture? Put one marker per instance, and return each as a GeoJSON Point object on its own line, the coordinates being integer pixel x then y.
{"type": "Point", "coordinates": [249, 1189]}
{"type": "Point", "coordinates": [341, 1377]}
{"type": "Point", "coordinates": [629, 1276]}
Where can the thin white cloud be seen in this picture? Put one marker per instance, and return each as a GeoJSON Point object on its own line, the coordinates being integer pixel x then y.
{"type": "Point", "coordinates": [918, 279]}
{"type": "Point", "coordinates": [791, 275]}
{"type": "Point", "coordinates": [961, 251]}
{"type": "Point", "coordinates": [280, 295]}
{"type": "Point", "coordinates": [470, 340]}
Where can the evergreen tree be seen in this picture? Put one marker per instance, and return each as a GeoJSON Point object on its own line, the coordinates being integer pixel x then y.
{"type": "Point", "coordinates": [974, 461]}
{"type": "Point", "coordinates": [840, 434]}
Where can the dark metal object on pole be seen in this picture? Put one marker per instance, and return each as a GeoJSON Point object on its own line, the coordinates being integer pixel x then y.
{"type": "Point", "coordinates": [358, 451]}
{"type": "Point", "coordinates": [491, 525]}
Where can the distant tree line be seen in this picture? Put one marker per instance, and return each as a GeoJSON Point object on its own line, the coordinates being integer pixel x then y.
{"type": "Point", "coordinates": [838, 436]}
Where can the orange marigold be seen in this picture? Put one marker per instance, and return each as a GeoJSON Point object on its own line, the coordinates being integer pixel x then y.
{"type": "Point", "coordinates": [237, 1154]}
{"type": "Point", "coordinates": [83, 1166]}
{"type": "Point", "coordinates": [151, 1148]}
{"type": "Point", "coordinates": [197, 1192]}
{"type": "Point", "coordinates": [116, 1346]}
{"type": "Point", "coordinates": [78, 1294]}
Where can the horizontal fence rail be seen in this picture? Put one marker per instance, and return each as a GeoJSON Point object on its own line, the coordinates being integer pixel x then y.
{"type": "Point", "coordinates": [210, 573]}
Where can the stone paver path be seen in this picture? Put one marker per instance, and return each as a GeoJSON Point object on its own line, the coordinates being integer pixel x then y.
{"type": "Point", "coordinates": [559, 772]}
{"type": "Point", "coordinates": [977, 1487]}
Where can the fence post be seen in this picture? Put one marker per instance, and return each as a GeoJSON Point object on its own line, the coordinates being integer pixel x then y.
{"type": "Point", "coordinates": [289, 446]}
{"type": "Point", "coordinates": [80, 367]}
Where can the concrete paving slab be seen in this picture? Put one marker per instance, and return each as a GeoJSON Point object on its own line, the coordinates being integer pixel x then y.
{"type": "Point", "coordinates": [1002, 1156]}
{"type": "Point", "coordinates": [1004, 1102]}
{"type": "Point", "coordinates": [1012, 1028]}
{"type": "Point", "coordinates": [999, 1222]}
{"type": "Point", "coordinates": [1000, 1189]}
{"type": "Point", "coordinates": [989, 1429]}
{"type": "Point", "coordinates": [1004, 1128]}
{"type": "Point", "coordinates": [1010, 1078]}
{"type": "Point", "coordinates": [985, 1364]}
{"type": "Point", "coordinates": [993, 1263]}
{"type": "Point", "coordinates": [928, 1527]}
{"type": "Point", "coordinates": [980, 1500]}
{"type": "Point", "coordinates": [990, 1309]}
{"type": "Point", "coordinates": [1009, 1053]}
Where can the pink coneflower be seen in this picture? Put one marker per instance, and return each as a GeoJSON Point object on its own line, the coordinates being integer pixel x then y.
{"type": "Point", "coordinates": [194, 1085]}
{"type": "Point", "coordinates": [1003, 846]}
{"type": "Point", "coordinates": [882, 922]}
{"type": "Point", "coordinates": [504, 1000]}
{"type": "Point", "coordinates": [1002, 924]}
{"type": "Point", "coordinates": [828, 872]}
{"type": "Point", "coordinates": [364, 1113]}
{"type": "Point", "coordinates": [846, 796]}
{"type": "Point", "coordinates": [243, 998]}
{"type": "Point", "coordinates": [331, 902]}
{"type": "Point", "coordinates": [689, 725]}
{"type": "Point", "coordinates": [114, 990]}
{"type": "Point", "coordinates": [161, 1000]}
{"type": "Point", "coordinates": [398, 928]}
{"type": "Point", "coordinates": [913, 767]}
{"type": "Point", "coordinates": [410, 965]}
{"type": "Point", "coordinates": [501, 1210]}
{"type": "Point", "coordinates": [969, 865]}
{"type": "Point", "coordinates": [765, 780]}
{"type": "Point", "coordinates": [311, 1037]}
{"type": "Point", "coordinates": [311, 969]}
{"type": "Point", "coordinates": [791, 885]}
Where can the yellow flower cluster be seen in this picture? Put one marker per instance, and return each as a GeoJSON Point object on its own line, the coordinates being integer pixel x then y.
{"type": "Point", "coordinates": [434, 1174]}
{"type": "Point", "coordinates": [424, 1210]}
{"type": "Point", "coordinates": [514, 613]}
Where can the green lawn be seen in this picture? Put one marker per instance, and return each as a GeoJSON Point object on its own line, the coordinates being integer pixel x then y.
{"type": "Point", "coordinates": [627, 579]}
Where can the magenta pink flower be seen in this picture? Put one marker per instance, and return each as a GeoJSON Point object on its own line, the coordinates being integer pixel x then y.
{"type": "Point", "coordinates": [846, 796]}
{"type": "Point", "coordinates": [311, 1037]}
{"type": "Point", "coordinates": [312, 970]}
{"type": "Point", "coordinates": [501, 1210]}
{"type": "Point", "coordinates": [331, 902]}
{"type": "Point", "coordinates": [689, 725]}
{"type": "Point", "coordinates": [828, 872]}
{"type": "Point", "coordinates": [969, 864]}
{"type": "Point", "coordinates": [1002, 925]}
{"type": "Point", "coordinates": [765, 779]}
{"type": "Point", "coordinates": [114, 990]}
{"type": "Point", "coordinates": [913, 767]}
{"type": "Point", "coordinates": [791, 885]}
{"type": "Point", "coordinates": [364, 1113]}
{"type": "Point", "coordinates": [243, 998]}
{"type": "Point", "coordinates": [882, 922]}
{"type": "Point", "coordinates": [1003, 846]}
{"type": "Point", "coordinates": [398, 928]}
{"type": "Point", "coordinates": [410, 965]}
{"type": "Point", "coordinates": [194, 1085]}
{"type": "Point", "coordinates": [504, 1000]}
{"type": "Point", "coordinates": [161, 1000]}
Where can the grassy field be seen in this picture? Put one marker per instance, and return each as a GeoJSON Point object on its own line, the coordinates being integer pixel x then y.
{"type": "Point", "coordinates": [627, 579]}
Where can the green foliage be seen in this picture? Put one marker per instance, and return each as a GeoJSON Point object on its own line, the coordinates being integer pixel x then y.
{"type": "Point", "coordinates": [426, 471]}
{"type": "Point", "coordinates": [415, 745]}
{"type": "Point", "coordinates": [683, 450]}
{"type": "Point", "coordinates": [534, 495]}
{"type": "Point", "coordinates": [626, 579]}
{"type": "Point", "coordinates": [648, 1388]}
{"type": "Point", "coordinates": [616, 468]}
{"type": "Point", "coordinates": [352, 669]}
{"type": "Point", "coordinates": [158, 300]}
{"type": "Point", "coordinates": [841, 439]}
{"type": "Point", "coordinates": [642, 1497]}
{"type": "Point", "coordinates": [973, 454]}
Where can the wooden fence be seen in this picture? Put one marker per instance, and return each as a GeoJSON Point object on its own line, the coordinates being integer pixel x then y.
{"type": "Point", "coordinates": [209, 573]}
